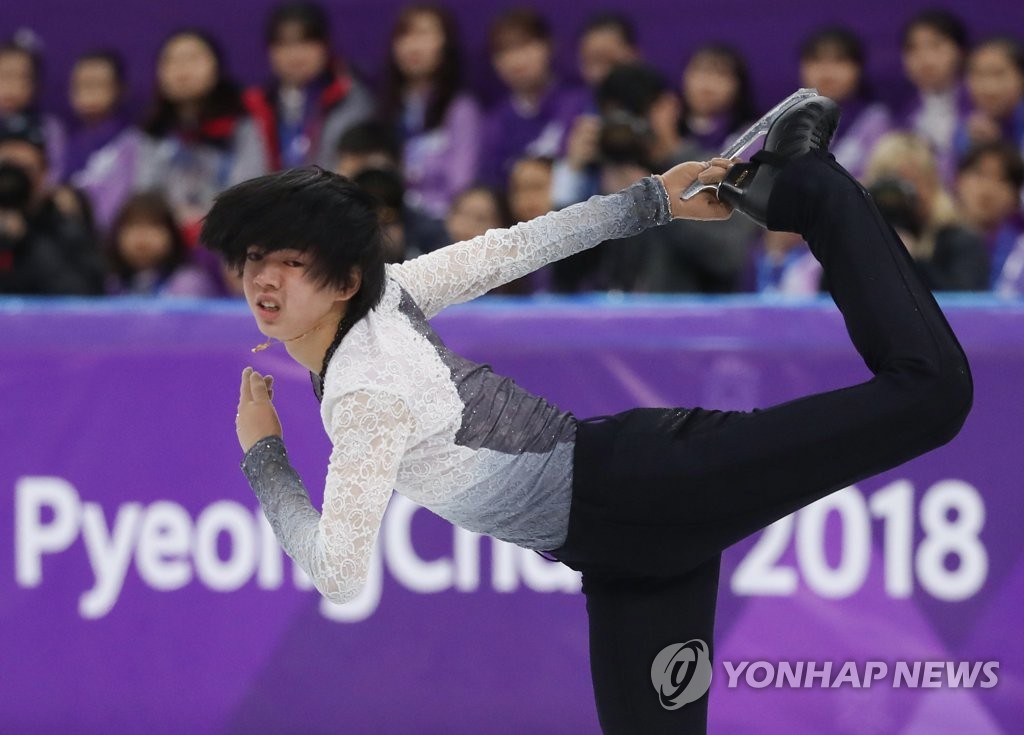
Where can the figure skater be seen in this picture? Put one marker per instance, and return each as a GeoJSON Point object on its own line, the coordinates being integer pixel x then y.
{"type": "Point", "coordinates": [641, 503]}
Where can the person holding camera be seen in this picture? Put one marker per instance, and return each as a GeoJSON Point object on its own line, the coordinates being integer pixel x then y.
{"type": "Point", "coordinates": [47, 245]}
{"type": "Point", "coordinates": [638, 133]}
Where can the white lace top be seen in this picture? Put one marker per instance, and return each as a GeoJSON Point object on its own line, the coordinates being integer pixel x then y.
{"type": "Point", "coordinates": [405, 413]}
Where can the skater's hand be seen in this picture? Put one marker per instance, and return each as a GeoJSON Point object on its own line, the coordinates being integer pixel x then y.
{"type": "Point", "coordinates": [705, 205]}
{"type": "Point", "coordinates": [256, 417]}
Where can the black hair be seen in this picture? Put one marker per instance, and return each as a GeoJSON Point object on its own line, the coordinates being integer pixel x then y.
{"type": "Point", "coordinates": [742, 110]}
{"type": "Point", "coordinates": [631, 87]}
{"type": "Point", "coordinates": [523, 23]}
{"type": "Point", "coordinates": [224, 100]}
{"type": "Point", "coordinates": [310, 17]}
{"type": "Point", "coordinates": [945, 23]}
{"type": "Point", "coordinates": [836, 39]}
{"type": "Point", "coordinates": [611, 21]}
{"type": "Point", "coordinates": [1009, 45]}
{"type": "Point", "coordinates": [1009, 160]}
{"type": "Point", "coordinates": [110, 57]}
{"type": "Point", "coordinates": [447, 77]}
{"type": "Point", "coordinates": [370, 137]}
{"type": "Point", "coordinates": [151, 208]}
{"type": "Point", "coordinates": [307, 209]}
{"type": "Point", "coordinates": [317, 212]}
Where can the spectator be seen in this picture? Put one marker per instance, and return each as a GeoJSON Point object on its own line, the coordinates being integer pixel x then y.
{"type": "Point", "coordinates": [718, 102]}
{"type": "Point", "coordinates": [46, 240]}
{"type": "Point", "coordinates": [475, 211]}
{"type": "Point", "coordinates": [148, 255]}
{"type": "Point", "coordinates": [634, 101]}
{"type": "Point", "coordinates": [903, 176]}
{"type": "Point", "coordinates": [367, 145]}
{"type": "Point", "coordinates": [640, 132]}
{"type": "Point", "coordinates": [408, 232]}
{"type": "Point", "coordinates": [529, 188]}
{"type": "Point", "coordinates": [198, 139]}
{"type": "Point", "coordinates": [439, 123]}
{"type": "Point", "coordinates": [989, 183]}
{"type": "Point", "coordinates": [529, 196]}
{"type": "Point", "coordinates": [535, 116]}
{"type": "Point", "coordinates": [312, 98]}
{"type": "Point", "coordinates": [783, 265]}
{"type": "Point", "coordinates": [20, 71]}
{"type": "Point", "coordinates": [995, 82]}
{"type": "Point", "coordinates": [934, 46]}
{"type": "Point", "coordinates": [95, 93]}
{"type": "Point", "coordinates": [606, 41]}
{"type": "Point", "coordinates": [832, 61]}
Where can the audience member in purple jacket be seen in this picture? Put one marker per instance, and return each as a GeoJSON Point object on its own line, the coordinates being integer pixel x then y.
{"type": "Point", "coordinates": [535, 117]}
{"type": "Point", "coordinates": [440, 125]}
{"type": "Point", "coordinates": [990, 179]}
{"type": "Point", "coordinates": [995, 82]}
{"type": "Point", "coordinates": [832, 61]}
{"type": "Point", "coordinates": [95, 92]}
{"type": "Point", "coordinates": [19, 87]}
{"type": "Point", "coordinates": [718, 102]}
{"type": "Point", "coordinates": [934, 46]}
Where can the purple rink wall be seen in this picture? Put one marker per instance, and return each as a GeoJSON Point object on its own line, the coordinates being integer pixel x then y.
{"type": "Point", "coordinates": [141, 591]}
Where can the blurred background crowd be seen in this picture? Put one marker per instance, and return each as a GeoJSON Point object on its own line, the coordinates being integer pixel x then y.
{"type": "Point", "coordinates": [104, 199]}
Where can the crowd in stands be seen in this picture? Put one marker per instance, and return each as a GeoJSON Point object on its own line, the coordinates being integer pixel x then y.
{"type": "Point", "coordinates": [107, 204]}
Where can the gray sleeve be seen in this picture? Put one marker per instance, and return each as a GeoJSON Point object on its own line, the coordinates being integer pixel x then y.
{"type": "Point", "coordinates": [277, 486]}
{"type": "Point", "coordinates": [465, 270]}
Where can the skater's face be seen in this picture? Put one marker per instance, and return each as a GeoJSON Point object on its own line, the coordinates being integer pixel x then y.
{"type": "Point", "coordinates": [285, 300]}
{"type": "Point", "coordinates": [931, 60]}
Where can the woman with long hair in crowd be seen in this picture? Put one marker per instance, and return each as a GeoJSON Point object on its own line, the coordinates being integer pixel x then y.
{"type": "Point", "coordinates": [832, 60]}
{"type": "Point", "coordinates": [934, 45]}
{"type": "Point", "coordinates": [718, 101]}
{"type": "Point", "coordinates": [198, 139]}
{"type": "Point", "coordinates": [438, 122]}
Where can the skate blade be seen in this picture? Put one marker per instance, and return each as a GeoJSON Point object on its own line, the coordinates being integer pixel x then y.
{"type": "Point", "coordinates": [752, 133]}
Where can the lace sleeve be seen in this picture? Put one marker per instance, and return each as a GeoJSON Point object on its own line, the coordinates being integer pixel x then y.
{"type": "Point", "coordinates": [465, 270]}
{"type": "Point", "coordinates": [368, 433]}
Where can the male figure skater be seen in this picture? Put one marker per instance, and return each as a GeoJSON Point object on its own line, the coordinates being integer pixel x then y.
{"type": "Point", "coordinates": [642, 503]}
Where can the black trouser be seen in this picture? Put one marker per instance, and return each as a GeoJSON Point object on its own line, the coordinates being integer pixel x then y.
{"type": "Point", "coordinates": [659, 493]}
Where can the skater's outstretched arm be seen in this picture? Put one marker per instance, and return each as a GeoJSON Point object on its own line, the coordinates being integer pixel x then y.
{"type": "Point", "coordinates": [468, 269]}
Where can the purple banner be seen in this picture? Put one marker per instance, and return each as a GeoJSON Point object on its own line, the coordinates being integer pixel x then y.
{"type": "Point", "coordinates": [141, 590]}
